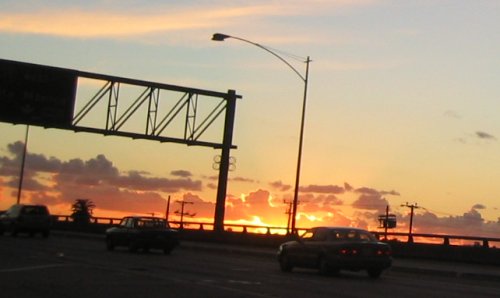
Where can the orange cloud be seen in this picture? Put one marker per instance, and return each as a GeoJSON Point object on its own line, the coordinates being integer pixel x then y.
{"type": "Point", "coordinates": [105, 22]}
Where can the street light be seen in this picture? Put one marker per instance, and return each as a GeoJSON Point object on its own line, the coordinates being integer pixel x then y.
{"type": "Point", "coordinates": [304, 78]}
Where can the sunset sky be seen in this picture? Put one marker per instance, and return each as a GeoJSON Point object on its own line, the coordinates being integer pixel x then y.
{"type": "Point", "coordinates": [403, 106]}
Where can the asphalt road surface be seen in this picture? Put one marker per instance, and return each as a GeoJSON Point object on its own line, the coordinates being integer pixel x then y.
{"type": "Point", "coordinates": [75, 267]}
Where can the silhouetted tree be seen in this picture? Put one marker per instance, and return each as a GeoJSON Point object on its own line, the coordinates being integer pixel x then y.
{"type": "Point", "coordinates": [82, 211]}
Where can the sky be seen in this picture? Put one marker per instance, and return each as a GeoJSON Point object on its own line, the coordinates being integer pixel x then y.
{"type": "Point", "coordinates": [402, 107]}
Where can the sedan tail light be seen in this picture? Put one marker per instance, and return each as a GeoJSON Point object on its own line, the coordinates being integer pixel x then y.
{"type": "Point", "coordinates": [382, 252]}
{"type": "Point", "coordinates": [348, 251]}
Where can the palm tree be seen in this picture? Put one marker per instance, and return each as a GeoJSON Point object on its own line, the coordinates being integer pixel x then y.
{"type": "Point", "coordinates": [82, 211]}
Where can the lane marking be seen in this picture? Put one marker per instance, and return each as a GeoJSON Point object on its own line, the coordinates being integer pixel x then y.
{"type": "Point", "coordinates": [29, 268]}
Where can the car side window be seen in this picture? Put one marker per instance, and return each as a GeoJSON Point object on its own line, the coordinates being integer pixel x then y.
{"type": "Point", "coordinates": [123, 223]}
{"type": "Point", "coordinates": [127, 223]}
{"type": "Point", "coordinates": [352, 235]}
{"type": "Point", "coordinates": [320, 235]}
{"type": "Point", "coordinates": [12, 210]}
{"type": "Point", "coordinates": [307, 236]}
{"type": "Point", "coordinates": [366, 237]}
{"type": "Point", "coordinates": [333, 236]}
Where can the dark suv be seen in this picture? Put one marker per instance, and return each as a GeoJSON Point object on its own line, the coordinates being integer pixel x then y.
{"type": "Point", "coordinates": [29, 219]}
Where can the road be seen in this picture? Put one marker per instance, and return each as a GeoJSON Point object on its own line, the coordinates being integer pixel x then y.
{"type": "Point", "coordinates": [76, 267]}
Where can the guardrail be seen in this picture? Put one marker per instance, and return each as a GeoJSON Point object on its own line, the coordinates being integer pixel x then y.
{"type": "Point", "coordinates": [445, 240]}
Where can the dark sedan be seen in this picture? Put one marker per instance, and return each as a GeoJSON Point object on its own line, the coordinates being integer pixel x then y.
{"type": "Point", "coordinates": [142, 232]}
{"type": "Point", "coordinates": [331, 249]}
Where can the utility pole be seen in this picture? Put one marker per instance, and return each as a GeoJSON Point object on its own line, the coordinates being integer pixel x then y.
{"type": "Point", "coordinates": [412, 207]}
{"type": "Point", "coordinates": [23, 161]}
{"type": "Point", "coordinates": [288, 212]}
{"type": "Point", "coordinates": [167, 212]}
{"type": "Point", "coordinates": [182, 213]}
{"type": "Point", "coordinates": [386, 221]}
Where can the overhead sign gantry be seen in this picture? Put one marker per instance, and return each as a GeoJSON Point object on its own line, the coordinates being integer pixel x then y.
{"type": "Point", "coordinates": [45, 96]}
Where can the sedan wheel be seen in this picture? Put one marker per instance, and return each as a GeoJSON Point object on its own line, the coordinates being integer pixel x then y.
{"type": "Point", "coordinates": [374, 273]}
{"type": "Point", "coordinates": [132, 247]}
{"type": "Point", "coordinates": [285, 264]}
{"type": "Point", "coordinates": [323, 266]}
{"type": "Point", "coordinates": [110, 245]}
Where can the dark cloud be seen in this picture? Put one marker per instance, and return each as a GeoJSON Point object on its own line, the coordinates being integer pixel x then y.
{"type": "Point", "coordinates": [371, 202]}
{"type": "Point", "coordinates": [96, 178]}
{"type": "Point", "coordinates": [469, 223]}
{"type": "Point", "coordinates": [333, 189]}
{"type": "Point", "coordinates": [367, 191]}
{"type": "Point", "coordinates": [280, 186]}
{"type": "Point", "coordinates": [373, 192]}
{"type": "Point", "coordinates": [242, 179]}
{"type": "Point", "coordinates": [212, 186]}
{"type": "Point", "coordinates": [134, 180]}
{"type": "Point", "coordinates": [324, 203]}
{"type": "Point", "coordinates": [392, 193]}
{"type": "Point", "coordinates": [181, 173]}
{"type": "Point", "coordinates": [478, 206]}
{"type": "Point", "coordinates": [348, 187]}
{"type": "Point", "coordinates": [484, 135]}
{"type": "Point", "coordinates": [29, 184]}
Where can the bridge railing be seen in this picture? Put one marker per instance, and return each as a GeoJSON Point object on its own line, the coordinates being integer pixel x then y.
{"type": "Point", "coordinates": [275, 230]}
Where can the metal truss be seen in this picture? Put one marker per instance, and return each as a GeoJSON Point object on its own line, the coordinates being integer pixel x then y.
{"type": "Point", "coordinates": [156, 121]}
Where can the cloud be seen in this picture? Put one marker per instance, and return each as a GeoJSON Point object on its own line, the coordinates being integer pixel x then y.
{"type": "Point", "coordinates": [181, 173]}
{"type": "Point", "coordinates": [478, 206]}
{"type": "Point", "coordinates": [114, 19]}
{"type": "Point", "coordinates": [323, 203]}
{"type": "Point", "coordinates": [374, 192]}
{"type": "Point", "coordinates": [348, 187]}
{"type": "Point", "coordinates": [280, 186]}
{"type": "Point", "coordinates": [134, 180]}
{"type": "Point", "coordinates": [452, 114]}
{"type": "Point", "coordinates": [391, 192]}
{"type": "Point", "coordinates": [96, 179]}
{"type": "Point", "coordinates": [242, 179]}
{"type": "Point", "coordinates": [370, 202]}
{"type": "Point", "coordinates": [484, 135]}
{"type": "Point", "coordinates": [212, 185]}
{"type": "Point", "coordinates": [333, 189]}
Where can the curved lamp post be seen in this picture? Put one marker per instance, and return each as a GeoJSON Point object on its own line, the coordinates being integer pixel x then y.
{"type": "Point", "coordinates": [304, 78]}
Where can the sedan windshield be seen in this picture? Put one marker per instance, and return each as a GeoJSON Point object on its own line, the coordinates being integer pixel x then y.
{"type": "Point", "coordinates": [351, 235]}
{"type": "Point", "coordinates": [354, 235]}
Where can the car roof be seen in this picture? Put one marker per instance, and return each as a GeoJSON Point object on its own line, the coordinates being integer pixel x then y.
{"type": "Point", "coordinates": [144, 217]}
{"type": "Point", "coordinates": [29, 205]}
{"type": "Point", "coordinates": [337, 228]}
